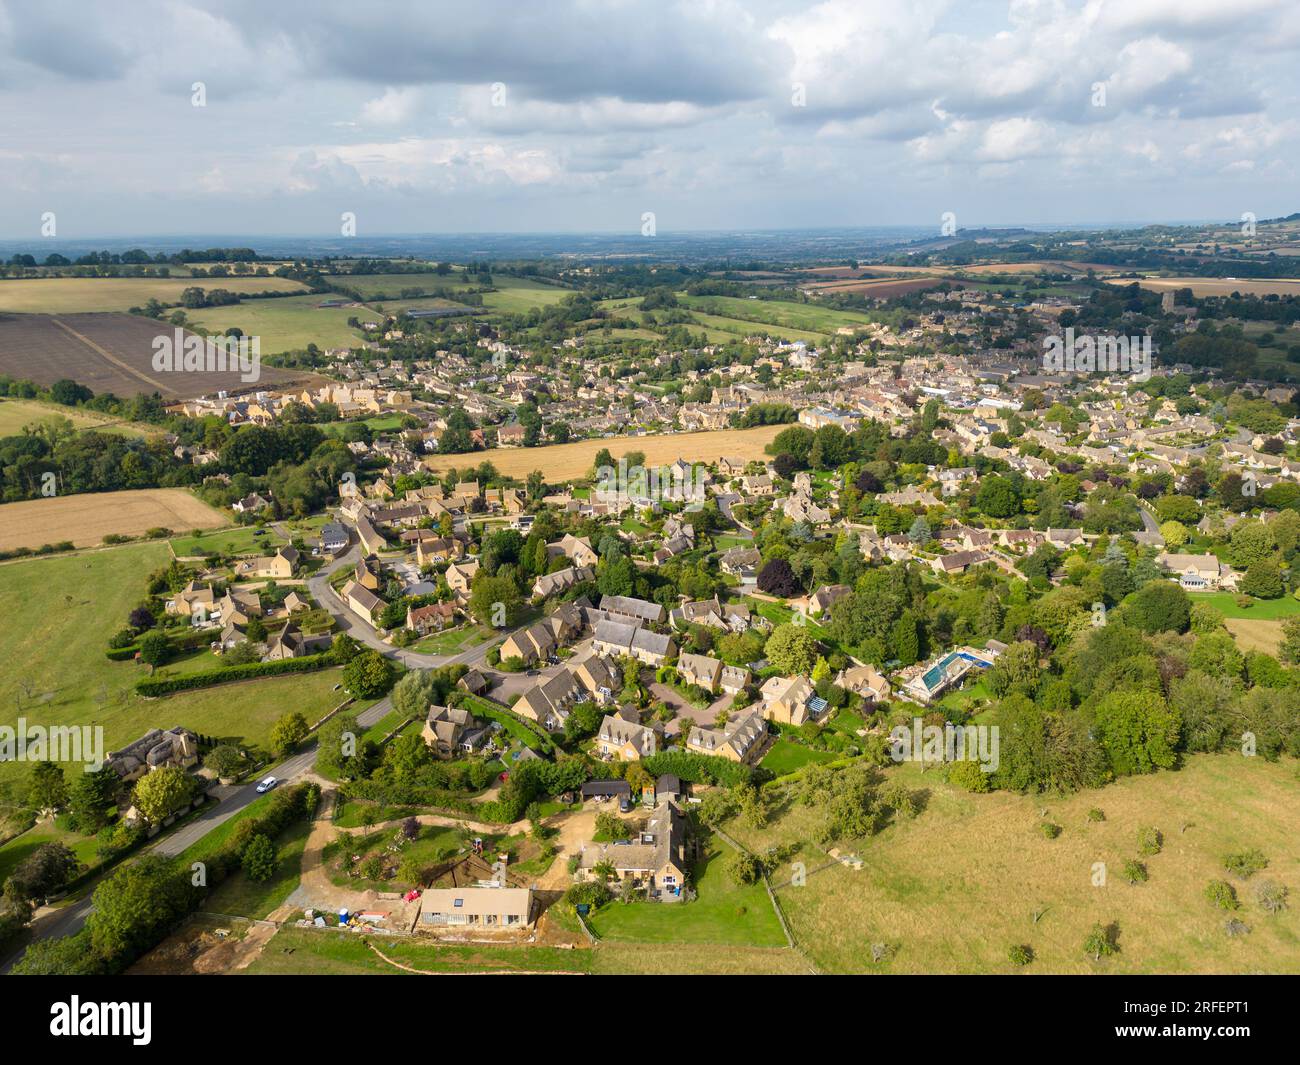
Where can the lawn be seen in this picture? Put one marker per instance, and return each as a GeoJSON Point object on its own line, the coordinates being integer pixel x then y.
{"type": "Point", "coordinates": [299, 950]}
{"type": "Point", "coordinates": [785, 757]}
{"type": "Point", "coordinates": [518, 295]}
{"type": "Point", "coordinates": [20, 847]}
{"type": "Point", "coordinates": [812, 317]}
{"type": "Point", "coordinates": [1260, 609]}
{"type": "Point", "coordinates": [288, 324]}
{"type": "Point", "coordinates": [242, 897]}
{"type": "Point", "coordinates": [56, 615]}
{"type": "Point", "coordinates": [954, 888]}
{"type": "Point", "coordinates": [725, 913]}
{"type": "Point", "coordinates": [453, 641]}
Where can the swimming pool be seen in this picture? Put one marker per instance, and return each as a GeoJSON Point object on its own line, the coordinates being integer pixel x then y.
{"type": "Point", "coordinates": [934, 676]}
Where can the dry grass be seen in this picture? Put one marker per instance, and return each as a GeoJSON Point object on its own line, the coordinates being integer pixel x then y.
{"type": "Point", "coordinates": [16, 414]}
{"type": "Point", "coordinates": [954, 888]}
{"type": "Point", "coordinates": [1256, 634]}
{"type": "Point", "coordinates": [87, 519]}
{"type": "Point", "coordinates": [673, 958]}
{"type": "Point", "coordinates": [1217, 286]}
{"type": "Point", "coordinates": [64, 295]}
{"type": "Point", "coordinates": [566, 462]}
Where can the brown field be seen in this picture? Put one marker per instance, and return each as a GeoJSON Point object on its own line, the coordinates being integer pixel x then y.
{"type": "Point", "coordinates": [1218, 286]}
{"type": "Point", "coordinates": [1256, 634]}
{"type": "Point", "coordinates": [87, 519]}
{"type": "Point", "coordinates": [66, 295]}
{"type": "Point", "coordinates": [566, 462]}
{"type": "Point", "coordinates": [884, 289]}
{"type": "Point", "coordinates": [111, 353]}
{"type": "Point", "coordinates": [954, 887]}
{"type": "Point", "coordinates": [17, 414]}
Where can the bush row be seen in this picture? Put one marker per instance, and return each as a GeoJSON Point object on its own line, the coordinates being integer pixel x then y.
{"type": "Point", "coordinates": [209, 678]}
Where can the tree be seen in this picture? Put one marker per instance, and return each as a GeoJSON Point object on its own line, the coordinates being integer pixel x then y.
{"type": "Point", "coordinates": [92, 799]}
{"type": "Point", "coordinates": [49, 789]}
{"type": "Point", "coordinates": [920, 531]}
{"type": "Point", "coordinates": [743, 867]}
{"type": "Point", "coordinates": [1174, 533]}
{"type": "Point", "coordinates": [1289, 651]}
{"type": "Point", "coordinates": [225, 760]}
{"type": "Point", "coordinates": [289, 731]}
{"type": "Point", "coordinates": [413, 693]}
{"type": "Point", "coordinates": [258, 858]}
{"type": "Point", "coordinates": [495, 601]}
{"type": "Point", "coordinates": [792, 649]}
{"type": "Point", "coordinates": [164, 792]}
{"type": "Point", "coordinates": [998, 497]}
{"type": "Point", "coordinates": [1263, 580]}
{"type": "Point", "coordinates": [42, 872]}
{"type": "Point", "coordinates": [1160, 606]}
{"type": "Point", "coordinates": [777, 578]}
{"type": "Point", "coordinates": [136, 904]}
{"type": "Point", "coordinates": [154, 648]}
{"type": "Point", "coordinates": [368, 675]}
{"type": "Point", "coordinates": [1100, 943]}
{"type": "Point", "coordinates": [1138, 731]}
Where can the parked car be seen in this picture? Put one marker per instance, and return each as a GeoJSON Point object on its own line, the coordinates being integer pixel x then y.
{"type": "Point", "coordinates": [267, 784]}
{"type": "Point", "coordinates": [624, 804]}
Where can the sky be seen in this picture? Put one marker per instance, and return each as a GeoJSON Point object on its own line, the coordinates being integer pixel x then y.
{"type": "Point", "coordinates": [589, 115]}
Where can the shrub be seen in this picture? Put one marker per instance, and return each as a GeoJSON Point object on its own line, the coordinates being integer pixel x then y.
{"type": "Point", "coordinates": [1050, 829]}
{"type": "Point", "coordinates": [1135, 872]}
{"type": "Point", "coordinates": [1222, 894]}
{"type": "Point", "coordinates": [1246, 864]}
{"type": "Point", "coordinates": [1271, 896]}
{"type": "Point", "coordinates": [1020, 954]}
{"type": "Point", "coordinates": [1096, 815]}
{"type": "Point", "coordinates": [1150, 841]}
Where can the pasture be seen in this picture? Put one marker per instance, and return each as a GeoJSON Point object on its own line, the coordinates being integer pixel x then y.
{"type": "Point", "coordinates": [87, 518]}
{"type": "Point", "coordinates": [17, 414]}
{"type": "Point", "coordinates": [952, 889]}
{"type": "Point", "coordinates": [567, 462]}
{"type": "Point", "coordinates": [67, 295]}
{"type": "Point", "coordinates": [288, 324]}
{"type": "Point", "coordinates": [56, 615]}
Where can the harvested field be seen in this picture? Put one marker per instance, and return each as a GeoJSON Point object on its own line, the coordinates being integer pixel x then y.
{"type": "Point", "coordinates": [1218, 286]}
{"type": "Point", "coordinates": [884, 289]}
{"type": "Point", "coordinates": [16, 414]}
{"type": "Point", "coordinates": [87, 519]}
{"type": "Point", "coordinates": [564, 462]}
{"type": "Point", "coordinates": [1256, 634]}
{"type": "Point", "coordinates": [112, 353]}
{"type": "Point", "coordinates": [66, 295]}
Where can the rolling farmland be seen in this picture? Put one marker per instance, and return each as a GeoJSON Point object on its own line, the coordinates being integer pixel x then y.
{"type": "Point", "coordinates": [1218, 286]}
{"type": "Point", "coordinates": [288, 324]}
{"type": "Point", "coordinates": [111, 353]}
{"type": "Point", "coordinates": [65, 295]}
{"type": "Point", "coordinates": [86, 519]}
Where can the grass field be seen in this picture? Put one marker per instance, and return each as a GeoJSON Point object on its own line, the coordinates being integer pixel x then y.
{"type": "Point", "coordinates": [1256, 634]}
{"type": "Point", "coordinates": [15, 414]}
{"type": "Point", "coordinates": [56, 615]}
{"type": "Point", "coordinates": [518, 295]}
{"type": "Point", "coordinates": [65, 295]}
{"type": "Point", "coordinates": [809, 316]}
{"type": "Point", "coordinates": [237, 540]}
{"type": "Point", "coordinates": [785, 757]}
{"type": "Point", "coordinates": [243, 897]}
{"type": "Point", "coordinates": [86, 519]}
{"type": "Point", "coordinates": [298, 950]}
{"type": "Point", "coordinates": [955, 887]}
{"type": "Point", "coordinates": [1226, 604]}
{"type": "Point", "coordinates": [288, 324]}
{"type": "Point", "coordinates": [1218, 286]}
{"type": "Point", "coordinates": [21, 847]}
{"type": "Point", "coordinates": [562, 462]}
{"type": "Point", "coordinates": [725, 913]}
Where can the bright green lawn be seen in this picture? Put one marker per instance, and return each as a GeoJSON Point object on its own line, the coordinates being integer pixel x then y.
{"type": "Point", "coordinates": [1260, 609]}
{"type": "Point", "coordinates": [724, 913]}
{"type": "Point", "coordinates": [20, 847]}
{"type": "Point", "coordinates": [785, 757]}
{"type": "Point", "coordinates": [241, 897]}
{"type": "Point", "coordinates": [289, 323]}
{"type": "Point", "coordinates": [239, 540]}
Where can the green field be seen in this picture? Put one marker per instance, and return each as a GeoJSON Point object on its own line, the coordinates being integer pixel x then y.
{"type": "Point", "coordinates": [380, 423]}
{"type": "Point", "coordinates": [238, 540]}
{"type": "Point", "coordinates": [518, 295]}
{"type": "Point", "coordinates": [241, 897]}
{"type": "Point", "coordinates": [952, 889]}
{"type": "Point", "coordinates": [299, 950]}
{"type": "Point", "coordinates": [804, 316]}
{"type": "Point", "coordinates": [288, 324]}
{"type": "Point", "coordinates": [725, 913]}
{"type": "Point", "coordinates": [56, 615]}
{"type": "Point", "coordinates": [20, 847]}
{"type": "Point", "coordinates": [1260, 609]}
{"type": "Point", "coordinates": [16, 414]}
{"type": "Point", "coordinates": [70, 295]}
{"type": "Point", "coordinates": [453, 641]}
{"type": "Point", "coordinates": [785, 757]}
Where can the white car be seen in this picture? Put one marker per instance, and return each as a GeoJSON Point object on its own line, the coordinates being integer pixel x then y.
{"type": "Point", "coordinates": [267, 784]}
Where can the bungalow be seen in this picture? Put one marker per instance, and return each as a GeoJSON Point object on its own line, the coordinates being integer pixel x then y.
{"type": "Point", "coordinates": [654, 860]}
{"type": "Point", "coordinates": [334, 537]}
{"type": "Point", "coordinates": [712, 613]}
{"type": "Point", "coordinates": [489, 908]}
{"type": "Point", "coordinates": [958, 561]}
{"type": "Point", "coordinates": [1064, 538]}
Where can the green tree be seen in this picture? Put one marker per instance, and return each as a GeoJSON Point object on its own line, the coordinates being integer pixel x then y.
{"type": "Point", "coordinates": [154, 648]}
{"type": "Point", "coordinates": [49, 789]}
{"type": "Point", "coordinates": [163, 792]}
{"type": "Point", "coordinates": [1138, 731]}
{"type": "Point", "coordinates": [495, 601]}
{"type": "Point", "coordinates": [368, 675]}
{"type": "Point", "coordinates": [258, 858]}
{"type": "Point", "coordinates": [1263, 580]}
{"type": "Point", "coordinates": [792, 649]}
{"type": "Point", "coordinates": [289, 731]}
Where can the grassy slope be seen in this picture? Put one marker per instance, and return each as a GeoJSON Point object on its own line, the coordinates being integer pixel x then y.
{"type": "Point", "coordinates": [290, 323]}
{"type": "Point", "coordinates": [69, 295]}
{"type": "Point", "coordinates": [58, 645]}
{"type": "Point", "coordinates": [958, 885]}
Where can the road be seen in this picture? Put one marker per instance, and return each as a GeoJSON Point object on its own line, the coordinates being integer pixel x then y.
{"type": "Point", "coordinates": [69, 920]}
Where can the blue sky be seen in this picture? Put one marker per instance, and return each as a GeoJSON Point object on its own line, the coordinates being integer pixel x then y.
{"type": "Point", "coordinates": [499, 116]}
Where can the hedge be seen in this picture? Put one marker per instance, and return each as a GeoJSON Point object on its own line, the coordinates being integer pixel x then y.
{"type": "Point", "coordinates": [190, 641]}
{"type": "Point", "coordinates": [211, 677]}
{"type": "Point", "coordinates": [523, 730]}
